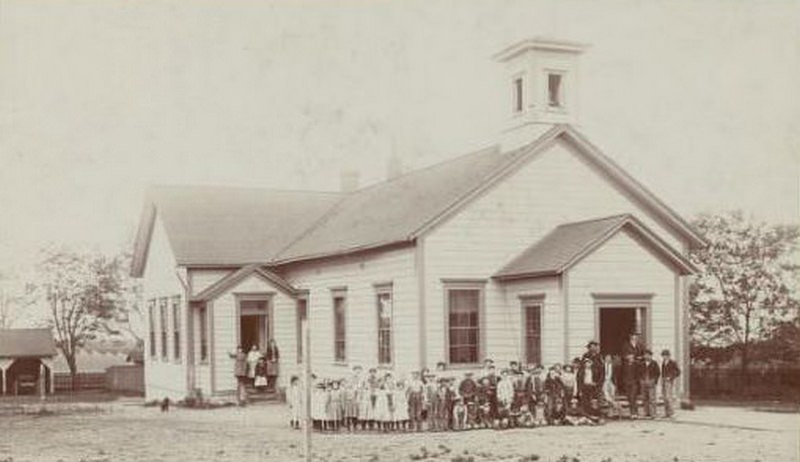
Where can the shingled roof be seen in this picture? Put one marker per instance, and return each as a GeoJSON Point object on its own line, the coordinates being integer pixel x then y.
{"type": "Point", "coordinates": [228, 226]}
{"type": "Point", "coordinates": [238, 226]}
{"type": "Point", "coordinates": [26, 343]}
{"type": "Point", "coordinates": [569, 243]}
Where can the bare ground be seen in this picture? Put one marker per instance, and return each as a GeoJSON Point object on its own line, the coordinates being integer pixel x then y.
{"type": "Point", "coordinates": [126, 431]}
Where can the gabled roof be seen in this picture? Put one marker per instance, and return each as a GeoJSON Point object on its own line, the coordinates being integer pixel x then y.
{"type": "Point", "coordinates": [407, 207]}
{"type": "Point", "coordinates": [394, 211]}
{"type": "Point", "coordinates": [26, 343]}
{"type": "Point", "coordinates": [569, 243]}
{"type": "Point", "coordinates": [235, 277]}
{"type": "Point", "coordinates": [227, 226]}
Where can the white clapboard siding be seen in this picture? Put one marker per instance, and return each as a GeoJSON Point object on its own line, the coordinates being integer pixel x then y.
{"type": "Point", "coordinates": [163, 378]}
{"type": "Point", "coordinates": [552, 319]}
{"type": "Point", "coordinates": [554, 188]}
{"type": "Point", "coordinates": [226, 327]}
{"type": "Point", "coordinates": [622, 265]}
{"type": "Point", "coordinates": [359, 274]}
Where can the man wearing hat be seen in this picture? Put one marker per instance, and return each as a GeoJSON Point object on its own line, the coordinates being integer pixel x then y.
{"type": "Point", "coordinates": [590, 378]}
{"type": "Point", "coordinates": [648, 377]}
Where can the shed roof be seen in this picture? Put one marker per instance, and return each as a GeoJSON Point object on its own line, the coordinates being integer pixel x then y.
{"type": "Point", "coordinates": [26, 343]}
{"type": "Point", "coordinates": [569, 243]}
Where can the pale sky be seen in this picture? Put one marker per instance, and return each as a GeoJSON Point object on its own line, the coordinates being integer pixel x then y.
{"type": "Point", "coordinates": [698, 100]}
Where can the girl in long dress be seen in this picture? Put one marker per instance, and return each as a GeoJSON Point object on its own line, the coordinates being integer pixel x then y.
{"type": "Point", "coordinates": [366, 407]}
{"type": "Point", "coordinates": [350, 403]}
{"type": "Point", "coordinates": [609, 388]}
{"type": "Point", "coordinates": [400, 415]}
{"type": "Point", "coordinates": [384, 403]}
{"type": "Point", "coordinates": [334, 407]}
{"type": "Point", "coordinates": [253, 356]}
{"type": "Point", "coordinates": [295, 399]}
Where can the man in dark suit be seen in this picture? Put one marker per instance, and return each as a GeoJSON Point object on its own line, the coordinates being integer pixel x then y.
{"type": "Point", "coordinates": [633, 347]}
{"type": "Point", "coordinates": [649, 372]}
{"type": "Point", "coordinates": [669, 373]}
{"type": "Point", "coordinates": [590, 379]}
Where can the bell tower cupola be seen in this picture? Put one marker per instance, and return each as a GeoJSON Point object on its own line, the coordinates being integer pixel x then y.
{"type": "Point", "coordinates": [542, 79]}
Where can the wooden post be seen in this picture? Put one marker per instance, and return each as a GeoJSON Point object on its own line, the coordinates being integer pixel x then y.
{"type": "Point", "coordinates": [306, 390]}
{"type": "Point", "coordinates": [42, 381]}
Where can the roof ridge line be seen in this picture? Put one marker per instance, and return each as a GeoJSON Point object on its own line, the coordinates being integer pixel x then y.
{"type": "Point", "coordinates": [328, 214]}
{"type": "Point", "coordinates": [243, 188]}
{"type": "Point", "coordinates": [590, 220]}
{"type": "Point", "coordinates": [522, 152]}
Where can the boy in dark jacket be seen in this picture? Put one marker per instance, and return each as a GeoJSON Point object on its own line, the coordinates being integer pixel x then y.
{"type": "Point", "coordinates": [669, 373]}
{"type": "Point", "coordinates": [649, 373]}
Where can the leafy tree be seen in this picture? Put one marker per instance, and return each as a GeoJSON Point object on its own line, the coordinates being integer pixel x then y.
{"type": "Point", "coordinates": [747, 281]}
{"type": "Point", "coordinates": [83, 292]}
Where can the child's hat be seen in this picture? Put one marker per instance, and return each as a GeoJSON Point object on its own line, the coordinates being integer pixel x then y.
{"type": "Point", "coordinates": [665, 352]}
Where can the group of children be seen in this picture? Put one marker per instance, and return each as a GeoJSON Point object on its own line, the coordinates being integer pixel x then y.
{"type": "Point", "coordinates": [425, 401]}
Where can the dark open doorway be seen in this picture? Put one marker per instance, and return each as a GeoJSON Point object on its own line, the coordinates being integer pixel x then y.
{"type": "Point", "coordinates": [616, 324]}
{"type": "Point", "coordinates": [254, 324]}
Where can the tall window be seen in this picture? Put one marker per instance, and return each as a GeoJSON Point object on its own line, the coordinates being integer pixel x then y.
{"type": "Point", "coordinates": [163, 311]}
{"type": "Point", "coordinates": [384, 305]}
{"type": "Point", "coordinates": [302, 315]}
{"type": "Point", "coordinates": [533, 334]}
{"type": "Point", "coordinates": [176, 327]}
{"type": "Point", "coordinates": [517, 89]}
{"type": "Point", "coordinates": [554, 90]}
{"type": "Point", "coordinates": [151, 320]}
{"type": "Point", "coordinates": [464, 325]}
{"type": "Point", "coordinates": [339, 333]}
{"type": "Point", "coordinates": [202, 315]}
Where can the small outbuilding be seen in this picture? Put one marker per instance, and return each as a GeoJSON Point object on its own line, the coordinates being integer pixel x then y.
{"type": "Point", "coordinates": [26, 359]}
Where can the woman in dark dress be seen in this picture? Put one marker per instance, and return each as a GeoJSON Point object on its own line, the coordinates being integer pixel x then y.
{"type": "Point", "coordinates": [273, 357]}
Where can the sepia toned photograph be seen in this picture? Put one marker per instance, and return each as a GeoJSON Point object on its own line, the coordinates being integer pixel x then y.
{"type": "Point", "coordinates": [400, 230]}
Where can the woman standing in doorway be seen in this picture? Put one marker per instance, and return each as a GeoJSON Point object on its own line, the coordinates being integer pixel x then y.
{"type": "Point", "coordinates": [252, 361]}
{"type": "Point", "coordinates": [273, 357]}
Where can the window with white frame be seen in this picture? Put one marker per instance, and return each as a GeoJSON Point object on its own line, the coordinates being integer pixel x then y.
{"type": "Point", "coordinates": [302, 315]}
{"type": "Point", "coordinates": [176, 327]}
{"type": "Point", "coordinates": [151, 321]}
{"type": "Point", "coordinates": [385, 315]}
{"type": "Point", "coordinates": [339, 326]}
{"type": "Point", "coordinates": [533, 332]}
{"type": "Point", "coordinates": [554, 90]}
{"type": "Point", "coordinates": [518, 95]}
{"type": "Point", "coordinates": [162, 306]}
{"type": "Point", "coordinates": [202, 324]}
{"type": "Point", "coordinates": [464, 306]}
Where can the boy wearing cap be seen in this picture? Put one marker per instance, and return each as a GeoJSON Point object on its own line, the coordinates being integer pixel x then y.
{"type": "Point", "coordinates": [648, 377]}
{"type": "Point", "coordinates": [416, 400]}
{"type": "Point", "coordinates": [669, 372]}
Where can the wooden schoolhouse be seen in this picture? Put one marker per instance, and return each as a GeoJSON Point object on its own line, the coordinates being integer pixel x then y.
{"type": "Point", "coordinates": [521, 251]}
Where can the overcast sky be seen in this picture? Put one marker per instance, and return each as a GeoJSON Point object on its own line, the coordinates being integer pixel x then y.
{"type": "Point", "coordinates": [699, 100]}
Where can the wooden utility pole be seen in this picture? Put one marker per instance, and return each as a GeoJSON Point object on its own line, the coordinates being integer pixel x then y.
{"type": "Point", "coordinates": [306, 390]}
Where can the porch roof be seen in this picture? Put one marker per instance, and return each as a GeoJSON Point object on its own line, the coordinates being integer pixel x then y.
{"type": "Point", "coordinates": [26, 343]}
{"type": "Point", "coordinates": [569, 243]}
{"type": "Point", "coordinates": [231, 280]}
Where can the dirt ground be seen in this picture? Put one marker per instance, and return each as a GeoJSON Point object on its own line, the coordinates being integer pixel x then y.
{"type": "Point", "coordinates": [127, 431]}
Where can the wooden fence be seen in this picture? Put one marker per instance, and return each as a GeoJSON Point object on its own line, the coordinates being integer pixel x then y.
{"type": "Point", "coordinates": [128, 378]}
{"type": "Point", "coordinates": [123, 378]}
{"type": "Point", "coordinates": [758, 383]}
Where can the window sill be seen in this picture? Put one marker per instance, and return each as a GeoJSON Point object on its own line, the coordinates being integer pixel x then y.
{"type": "Point", "coordinates": [461, 366]}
